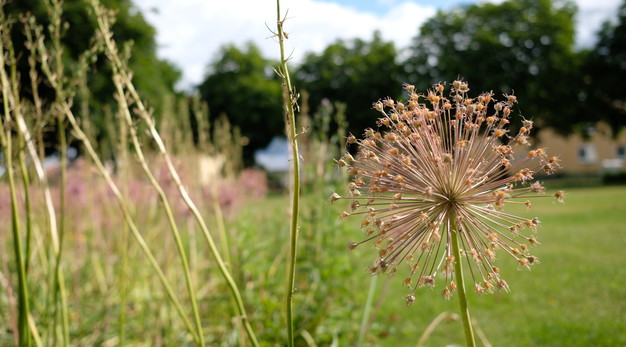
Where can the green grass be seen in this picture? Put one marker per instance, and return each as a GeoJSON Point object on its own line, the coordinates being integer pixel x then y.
{"type": "Point", "coordinates": [575, 297]}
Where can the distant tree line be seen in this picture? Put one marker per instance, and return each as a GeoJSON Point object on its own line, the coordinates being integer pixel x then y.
{"type": "Point", "coordinates": [154, 77]}
{"type": "Point", "coordinates": [524, 47]}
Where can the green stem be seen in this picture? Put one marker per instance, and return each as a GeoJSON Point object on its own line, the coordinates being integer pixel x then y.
{"type": "Point", "coordinates": [27, 202]}
{"type": "Point", "coordinates": [60, 283]}
{"type": "Point", "coordinates": [460, 285]}
{"type": "Point", "coordinates": [367, 311]}
{"type": "Point", "coordinates": [221, 227]}
{"type": "Point", "coordinates": [123, 284]}
{"type": "Point", "coordinates": [290, 100]}
{"type": "Point", "coordinates": [123, 246]}
{"type": "Point", "coordinates": [112, 54]}
{"type": "Point", "coordinates": [5, 141]}
{"type": "Point", "coordinates": [21, 155]}
{"type": "Point", "coordinates": [80, 135]}
{"type": "Point", "coordinates": [124, 108]}
{"type": "Point", "coordinates": [23, 305]}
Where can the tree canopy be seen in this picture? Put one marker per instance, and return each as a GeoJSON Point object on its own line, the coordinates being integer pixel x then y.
{"type": "Point", "coordinates": [242, 84]}
{"type": "Point", "coordinates": [523, 47]}
{"type": "Point", "coordinates": [354, 72]}
{"type": "Point", "coordinates": [516, 46]}
{"type": "Point", "coordinates": [604, 71]}
{"type": "Point", "coordinates": [153, 76]}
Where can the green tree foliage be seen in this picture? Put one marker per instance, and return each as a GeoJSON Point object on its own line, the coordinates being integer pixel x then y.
{"type": "Point", "coordinates": [605, 72]}
{"type": "Point", "coordinates": [242, 84]}
{"type": "Point", "coordinates": [152, 76]}
{"type": "Point", "coordinates": [523, 46]}
{"type": "Point", "coordinates": [356, 73]}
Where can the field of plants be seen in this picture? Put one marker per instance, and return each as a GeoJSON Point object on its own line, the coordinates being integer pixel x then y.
{"type": "Point", "coordinates": [156, 235]}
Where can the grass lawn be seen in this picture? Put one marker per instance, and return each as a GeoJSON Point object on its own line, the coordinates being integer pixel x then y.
{"type": "Point", "coordinates": [575, 297]}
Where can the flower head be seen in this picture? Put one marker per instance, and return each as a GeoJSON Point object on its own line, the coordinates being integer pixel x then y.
{"type": "Point", "coordinates": [437, 165]}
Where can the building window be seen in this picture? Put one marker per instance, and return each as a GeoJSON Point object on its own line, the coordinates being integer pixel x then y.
{"type": "Point", "coordinates": [621, 152]}
{"type": "Point", "coordinates": [587, 154]}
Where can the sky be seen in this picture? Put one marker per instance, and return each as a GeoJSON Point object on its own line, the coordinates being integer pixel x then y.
{"type": "Point", "coordinates": [191, 32]}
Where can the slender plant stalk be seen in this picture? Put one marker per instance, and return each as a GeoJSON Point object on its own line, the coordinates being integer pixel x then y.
{"type": "Point", "coordinates": [25, 181]}
{"type": "Point", "coordinates": [240, 308]}
{"type": "Point", "coordinates": [29, 23]}
{"type": "Point", "coordinates": [34, 331]}
{"type": "Point", "coordinates": [35, 43]}
{"type": "Point", "coordinates": [55, 12]}
{"type": "Point", "coordinates": [367, 311]}
{"type": "Point", "coordinates": [123, 242]}
{"type": "Point", "coordinates": [460, 285]}
{"type": "Point", "coordinates": [431, 327]}
{"type": "Point", "coordinates": [290, 99]}
{"type": "Point", "coordinates": [60, 293]}
{"type": "Point", "coordinates": [124, 108]}
{"type": "Point", "coordinates": [123, 276]}
{"type": "Point", "coordinates": [43, 182]}
{"type": "Point", "coordinates": [21, 158]}
{"type": "Point", "coordinates": [27, 203]}
{"type": "Point", "coordinates": [40, 173]}
{"type": "Point", "coordinates": [221, 227]}
{"type": "Point", "coordinates": [6, 142]}
{"type": "Point", "coordinates": [80, 135]}
{"type": "Point", "coordinates": [112, 53]}
{"type": "Point", "coordinates": [23, 305]}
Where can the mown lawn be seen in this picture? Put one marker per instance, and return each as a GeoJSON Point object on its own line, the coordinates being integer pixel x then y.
{"type": "Point", "coordinates": [575, 297]}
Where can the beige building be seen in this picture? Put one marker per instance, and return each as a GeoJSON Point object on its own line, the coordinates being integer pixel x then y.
{"type": "Point", "coordinates": [599, 153]}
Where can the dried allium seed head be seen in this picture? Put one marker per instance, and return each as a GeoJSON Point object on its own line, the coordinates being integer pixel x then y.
{"type": "Point", "coordinates": [351, 139]}
{"type": "Point", "coordinates": [439, 166]}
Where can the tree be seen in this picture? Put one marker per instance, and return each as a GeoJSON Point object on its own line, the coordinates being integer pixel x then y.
{"type": "Point", "coordinates": [152, 76]}
{"type": "Point", "coordinates": [605, 72]}
{"type": "Point", "coordinates": [357, 73]}
{"type": "Point", "coordinates": [243, 85]}
{"type": "Point", "coordinates": [523, 47]}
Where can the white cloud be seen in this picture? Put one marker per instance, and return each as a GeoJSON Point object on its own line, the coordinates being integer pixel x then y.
{"type": "Point", "coordinates": [190, 32]}
{"type": "Point", "coordinates": [591, 15]}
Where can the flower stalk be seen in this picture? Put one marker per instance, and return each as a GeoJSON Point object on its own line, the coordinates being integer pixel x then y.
{"type": "Point", "coordinates": [290, 99]}
{"type": "Point", "coordinates": [460, 286]}
{"type": "Point", "coordinates": [10, 104]}
{"type": "Point", "coordinates": [125, 78]}
{"type": "Point", "coordinates": [125, 111]}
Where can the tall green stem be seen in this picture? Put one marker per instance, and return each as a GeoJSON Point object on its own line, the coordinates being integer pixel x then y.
{"type": "Point", "coordinates": [80, 135]}
{"type": "Point", "coordinates": [7, 150]}
{"type": "Point", "coordinates": [23, 305]}
{"type": "Point", "coordinates": [125, 76]}
{"type": "Point", "coordinates": [60, 283]}
{"type": "Point", "coordinates": [125, 110]}
{"type": "Point", "coordinates": [21, 155]}
{"type": "Point", "coordinates": [123, 241]}
{"type": "Point", "coordinates": [290, 99]}
{"type": "Point", "coordinates": [460, 285]}
{"type": "Point", "coordinates": [367, 311]}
